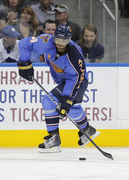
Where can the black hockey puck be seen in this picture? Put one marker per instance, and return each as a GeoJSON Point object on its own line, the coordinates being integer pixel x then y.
{"type": "Point", "coordinates": [82, 159]}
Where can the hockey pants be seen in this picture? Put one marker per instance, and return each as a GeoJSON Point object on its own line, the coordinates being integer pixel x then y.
{"type": "Point", "coordinates": [76, 112]}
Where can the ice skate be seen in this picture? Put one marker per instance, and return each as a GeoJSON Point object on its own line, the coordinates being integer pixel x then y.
{"type": "Point", "coordinates": [51, 144]}
{"type": "Point", "coordinates": [91, 132]}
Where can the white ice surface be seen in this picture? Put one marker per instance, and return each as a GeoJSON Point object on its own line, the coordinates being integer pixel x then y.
{"type": "Point", "coordinates": [28, 164]}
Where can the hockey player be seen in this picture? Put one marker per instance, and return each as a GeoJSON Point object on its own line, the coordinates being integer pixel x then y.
{"type": "Point", "coordinates": [67, 68]}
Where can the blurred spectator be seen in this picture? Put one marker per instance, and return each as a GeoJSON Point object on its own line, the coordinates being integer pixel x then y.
{"type": "Point", "coordinates": [13, 8]}
{"type": "Point", "coordinates": [121, 5]}
{"type": "Point", "coordinates": [2, 7]}
{"type": "Point", "coordinates": [49, 27]}
{"type": "Point", "coordinates": [9, 45]}
{"type": "Point", "coordinates": [92, 50]}
{"type": "Point", "coordinates": [61, 17]}
{"type": "Point", "coordinates": [28, 22]}
{"type": "Point", "coordinates": [31, 2]}
{"type": "Point", "coordinates": [124, 8]}
{"type": "Point", "coordinates": [44, 11]}
{"type": "Point", "coordinates": [3, 21]}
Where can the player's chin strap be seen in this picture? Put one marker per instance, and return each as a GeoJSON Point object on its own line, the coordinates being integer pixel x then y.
{"type": "Point", "coordinates": [108, 155]}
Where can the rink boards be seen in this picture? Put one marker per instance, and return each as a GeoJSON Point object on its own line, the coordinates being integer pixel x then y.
{"type": "Point", "coordinates": [105, 102]}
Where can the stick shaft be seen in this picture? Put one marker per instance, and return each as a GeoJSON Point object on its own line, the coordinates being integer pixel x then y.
{"type": "Point", "coordinates": [45, 91]}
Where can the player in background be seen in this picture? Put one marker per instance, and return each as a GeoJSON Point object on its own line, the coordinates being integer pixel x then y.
{"type": "Point", "coordinates": [49, 27]}
{"type": "Point", "coordinates": [67, 68]}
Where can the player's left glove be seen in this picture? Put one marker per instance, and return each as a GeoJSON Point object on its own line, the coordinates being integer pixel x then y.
{"type": "Point", "coordinates": [26, 70]}
{"type": "Point", "coordinates": [65, 105]}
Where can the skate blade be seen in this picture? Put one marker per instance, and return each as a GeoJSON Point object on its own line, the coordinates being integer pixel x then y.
{"type": "Point", "coordinates": [50, 150]}
{"type": "Point", "coordinates": [92, 137]}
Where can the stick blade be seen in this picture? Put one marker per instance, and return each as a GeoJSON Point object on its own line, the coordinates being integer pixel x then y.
{"type": "Point", "coordinates": [108, 155]}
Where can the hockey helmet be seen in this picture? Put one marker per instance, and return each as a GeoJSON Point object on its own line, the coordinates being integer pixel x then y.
{"type": "Point", "coordinates": [63, 32]}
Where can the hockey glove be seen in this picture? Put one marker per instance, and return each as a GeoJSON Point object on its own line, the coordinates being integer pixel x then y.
{"type": "Point", "coordinates": [65, 105]}
{"type": "Point", "coordinates": [26, 70]}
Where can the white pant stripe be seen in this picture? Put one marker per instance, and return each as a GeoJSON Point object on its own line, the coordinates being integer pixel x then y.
{"type": "Point", "coordinates": [49, 111]}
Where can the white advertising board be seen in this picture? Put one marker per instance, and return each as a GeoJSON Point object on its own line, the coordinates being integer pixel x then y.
{"type": "Point", "coordinates": [123, 95]}
{"type": "Point", "coordinates": [20, 100]}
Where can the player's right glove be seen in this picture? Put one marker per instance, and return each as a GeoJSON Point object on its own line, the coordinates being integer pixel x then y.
{"type": "Point", "coordinates": [64, 106]}
{"type": "Point", "coordinates": [26, 70]}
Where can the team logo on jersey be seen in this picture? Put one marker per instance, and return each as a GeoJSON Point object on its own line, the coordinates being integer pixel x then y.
{"type": "Point", "coordinates": [56, 68]}
{"type": "Point", "coordinates": [45, 38]}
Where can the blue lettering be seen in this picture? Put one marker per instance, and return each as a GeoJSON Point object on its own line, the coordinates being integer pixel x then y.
{"type": "Point", "coordinates": [94, 91]}
{"type": "Point", "coordinates": [41, 95]}
{"type": "Point", "coordinates": [34, 96]}
{"type": "Point", "coordinates": [7, 96]}
{"type": "Point", "coordinates": [91, 94]}
{"type": "Point", "coordinates": [12, 94]}
{"type": "Point", "coordinates": [3, 96]}
{"type": "Point", "coordinates": [87, 98]}
{"type": "Point", "coordinates": [24, 93]}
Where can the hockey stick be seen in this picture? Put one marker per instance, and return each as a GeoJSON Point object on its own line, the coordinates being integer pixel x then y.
{"type": "Point", "coordinates": [108, 155]}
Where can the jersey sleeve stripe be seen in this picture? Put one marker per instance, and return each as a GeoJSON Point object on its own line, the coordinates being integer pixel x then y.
{"type": "Point", "coordinates": [77, 75]}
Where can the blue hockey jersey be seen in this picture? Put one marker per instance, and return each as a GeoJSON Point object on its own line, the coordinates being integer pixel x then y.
{"type": "Point", "coordinates": [68, 68]}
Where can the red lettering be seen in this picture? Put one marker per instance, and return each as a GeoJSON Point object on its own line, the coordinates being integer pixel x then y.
{"type": "Point", "coordinates": [4, 77]}
{"type": "Point", "coordinates": [20, 115]}
{"type": "Point", "coordinates": [34, 114]}
{"type": "Point", "coordinates": [13, 76]}
{"type": "Point", "coordinates": [48, 76]}
{"type": "Point", "coordinates": [99, 114]}
{"type": "Point", "coordinates": [110, 114]}
{"type": "Point", "coordinates": [13, 113]}
{"type": "Point", "coordinates": [87, 113]}
{"type": "Point", "coordinates": [39, 76]}
{"type": "Point", "coordinates": [104, 114]}
{"type": "Point", "coordinates": [24, 114]}
{"type": "Point", "coordinates": [42, 114]}
{"type": "Point", "coordinates": [95, 113]}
